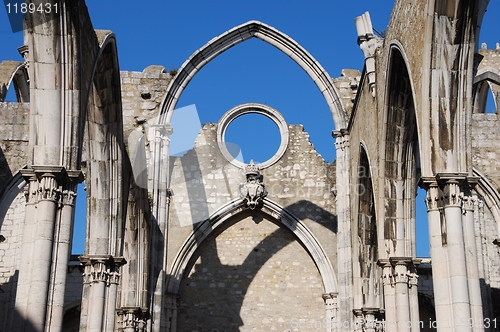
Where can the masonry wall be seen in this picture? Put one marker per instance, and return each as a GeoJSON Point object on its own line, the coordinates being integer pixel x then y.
{"type": "Point", "coordinates": [142, 94]}
{"type": "Point", "coordinates": [10, 259]}
{"type": "Point", "coordinates": [489, 264]}
{"type": "Point", "coordinates": [252, 274]}
{"type": "Point", "coordinates": [14, 129]}
{"type": "Point", "coordinates": [301, 181]}
{"type": "Point", "coordinates": [486, 146]}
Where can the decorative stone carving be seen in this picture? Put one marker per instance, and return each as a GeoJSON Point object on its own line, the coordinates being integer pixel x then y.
{"type": "Point", "coordinates": [433, 197]}
{"type": "Point", "coordinates": [131, 319]}
{"type": "Point", "coordinates": [101, 269]}
{"type": "Point", "coordinates": [341, 139]}
{"type": "Point", "coordinates": [254, 190]}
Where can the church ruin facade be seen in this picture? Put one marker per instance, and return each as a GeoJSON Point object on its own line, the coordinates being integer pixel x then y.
{"type": "Point", "coordinates": [205, 242]}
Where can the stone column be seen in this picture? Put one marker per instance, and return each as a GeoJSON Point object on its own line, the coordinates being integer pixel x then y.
{"type": "Point", "coordinates": [439, 256]}
{"type": "Point", "coordinates": [476, 308]}
{"type": "Point", "coordinates": [110, 310]}
{"type": "Point", "coordinates": [401, 278]}
{"type": "Point", "coordinates": [171, 311]}
{"type": "Point", "coordinates": [457, 265]}
{"type": "Point", "coordinates": [359, 320]}
{"type": "Point", "coordinates": [344, 244]}
{"type": "Point", "coordinates": [62, 247]}
{"type": "Point", "coordinates": [367, 320]}
{"type": "Point", "coordinates": [413, 297]}
{"type": "Point", "coordinates": [29, 236]}
{"type": "Point", "coordinates": [331, 307]}
{"type": "Point", "coordinates": [370, 319]}
{"type": "Point", "coordinates": [131, 320]}
{"type": "Point", "coordinates": [158, 136]}
{"type": "Point", "coordinates": [100, 280]}
{"type": "Point", "coordinates": [46, 246]}
{"type": "Point", "coordinates": [389, 294]}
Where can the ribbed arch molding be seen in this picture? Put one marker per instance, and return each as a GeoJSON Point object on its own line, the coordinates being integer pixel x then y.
{"type": "Point", "coordinates": [239, 34]}
{"type": "Point", "coordinates": [275, 211]}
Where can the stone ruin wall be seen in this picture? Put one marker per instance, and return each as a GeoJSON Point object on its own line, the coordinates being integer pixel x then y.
{"type": "Point", "coordinates": [255, 263]}
{"type": "Point", "coordinates": [14, 128]}
{"type": "Point", "coordinates": [486, 146]}
{"type": "Point", "coordinates": [10, 258]}
{"type": "Point", "coordinates": [142, 94]}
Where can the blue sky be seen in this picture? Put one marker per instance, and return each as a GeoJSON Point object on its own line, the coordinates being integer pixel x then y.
{"type": "Point", "coordinates": [168, 32]}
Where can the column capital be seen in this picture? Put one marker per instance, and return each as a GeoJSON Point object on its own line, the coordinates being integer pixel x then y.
{"type": "Point", "coordinates": [469, 203]}
{"type": "Point", "coordinates": [131, 318]}
{"type": "Point", "coordinates": [341, 139]}
{"type": "Point", "coordinates": [101, 268]}
{"type": "Point", "coordinates": [164, 129]}
{"type": "Point", "coordinates": [406, 261]}
{"type": "Point", "coordinates": [384, 262]}
{"type": "Point", "coordinates": [340, 133]}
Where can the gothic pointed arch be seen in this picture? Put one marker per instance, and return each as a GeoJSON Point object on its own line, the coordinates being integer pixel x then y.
{"type": "Point", "coordinates": [365, 271]}
{"type": "Point", "coordinates": [401, 153]}
{"type": "Point", "coordinates": [103, 155]}
{"type": "Point", "coordinates": [486, 79]}
{"type": "Point", "coordinates": [239, 34]}
{"type": "Point", "coordinates": [14, 72]}
{"type": "Point", "coordinates": [281, 215]}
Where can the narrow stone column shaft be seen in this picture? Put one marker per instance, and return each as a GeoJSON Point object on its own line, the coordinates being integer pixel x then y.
{"type": "Point", "coordinates": [440, 274]}
{"type": "Point", "coordinates": [389, 294]}
{"type": "Point", "coordinates": [456, 257]}
{"type": "Point", "coordinates": [29, 235]}
{"type": "Point", "coordinates": [97, 271]}
{"type": "Point", "coordinates": [471, 257]}
{"type": "Point", "coordinates": [62, 248]}
{"type": "Point", "coordinates": [344, 245]}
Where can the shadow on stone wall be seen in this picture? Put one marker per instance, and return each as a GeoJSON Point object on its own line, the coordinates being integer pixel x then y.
{"type": "Point", "coordinates": [5, 173]}
{"type": "Point", "coordinates": [212, 297]}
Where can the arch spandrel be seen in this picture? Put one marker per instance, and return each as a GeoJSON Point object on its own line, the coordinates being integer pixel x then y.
{"type": "Point", "coordinates": [239, 34]}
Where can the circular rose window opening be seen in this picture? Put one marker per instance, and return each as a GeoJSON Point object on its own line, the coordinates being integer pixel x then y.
{"type": "Point", "coordinates": [252, 132]}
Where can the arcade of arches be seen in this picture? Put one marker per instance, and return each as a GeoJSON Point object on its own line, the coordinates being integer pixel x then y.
{"type": "Point", "coordinates": [204, 242]}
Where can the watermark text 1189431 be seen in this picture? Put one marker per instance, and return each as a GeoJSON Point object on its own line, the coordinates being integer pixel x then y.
{"type": "Point", "coordinates": [16, 10]}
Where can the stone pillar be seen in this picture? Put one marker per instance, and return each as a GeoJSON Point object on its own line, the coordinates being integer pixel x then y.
{"type": "Point", "coordinates": [401, 279]}
{"type": "Point", "coordinates": [439, 256]}
{"type": "Point", "coordinates": [344, 244]}
{"type": "Point", "coordinates": [331, 314]}
{"type": "Point", "coordinates": [370, 319]}
{"type": "Point", "coordinates": [29, 236]}
{"type": "Point", "coordinates": [457, 264]}
{"type": "Point", "coordinates": [413, 297]}
{"type": "Point", "coordinates": [359, 320]}
{"type": "Point", "coordinates": [131, 320]}
{"type": "Point", "coordinates": [112, 291]}
{"type": "Point", "coordinates": [62, 247]}
{"type": "Point", "coordinates": [46, 248]}
{"type": "Point", "coordinates": [100, 280]}
{"type": "Point", "coordinates": [389, 293]}
{"type": "Point", "coordinates": [367, 320]}
{"type": "Point", "coordinates": [158, 182]}
{"type": "Point", "coordinates": [468, 206]}
{"type": "Point", "coordinates": [171, 311]}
